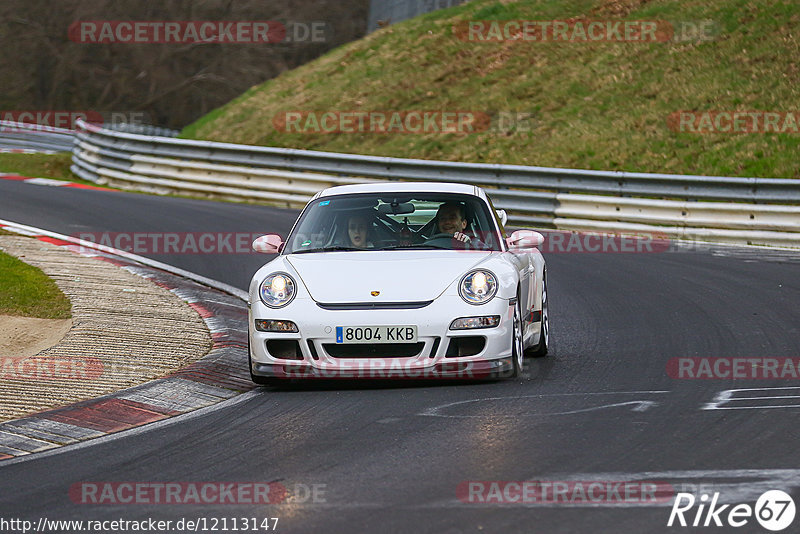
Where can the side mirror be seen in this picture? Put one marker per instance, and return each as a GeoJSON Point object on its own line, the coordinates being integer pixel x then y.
{"type": "Point", "coordinates": [503, 216]}
{"type": "Point", "coordinates": [523, 240]}
{"type": "Point", "coordinates": [268, 244]}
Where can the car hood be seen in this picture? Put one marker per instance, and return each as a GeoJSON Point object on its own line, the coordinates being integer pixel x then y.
{"type": "Point", "coordinates": [399, 276]}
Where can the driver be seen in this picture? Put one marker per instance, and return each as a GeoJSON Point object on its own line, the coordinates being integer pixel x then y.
{"type": "Point", "coordinates": [450, 219]}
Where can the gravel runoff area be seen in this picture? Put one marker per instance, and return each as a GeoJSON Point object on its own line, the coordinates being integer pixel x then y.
{"type": "Point", "coordinates": [125, 330]}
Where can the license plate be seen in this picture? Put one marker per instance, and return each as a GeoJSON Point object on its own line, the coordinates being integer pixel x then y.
{"type": "Point", "coordinates": [376, 334]}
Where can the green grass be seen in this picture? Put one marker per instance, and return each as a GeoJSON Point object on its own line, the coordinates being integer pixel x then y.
{"type": "Point", "coordinates": [25, 290]}
{"type": "Point", "coordinates": [38, 165]}
{"type": "Point", "coordinates": [55, 166]}
{"type": "Point", "coordinates": [592, 105]}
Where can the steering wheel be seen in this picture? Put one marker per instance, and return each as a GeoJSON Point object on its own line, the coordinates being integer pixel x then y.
{"type": "Point", "coordinates": [451, 242]}
{"type": "Point", "coordinates": [439, 235]}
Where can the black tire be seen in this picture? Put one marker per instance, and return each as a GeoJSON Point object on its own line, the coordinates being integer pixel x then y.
{"type": "Point", "coordinates": [540, 349]}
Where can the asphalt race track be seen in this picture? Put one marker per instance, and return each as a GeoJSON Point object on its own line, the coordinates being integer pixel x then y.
{"type": "Point", "coordinates": [391, 457]}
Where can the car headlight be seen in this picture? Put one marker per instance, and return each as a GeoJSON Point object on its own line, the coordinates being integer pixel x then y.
{"type": "Point", "coordinates": [478, 287]}
{"type": "Point", "coordinates": [277, 290]}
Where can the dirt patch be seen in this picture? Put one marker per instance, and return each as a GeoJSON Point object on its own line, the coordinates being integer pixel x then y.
{"type": "Point", "coordinates": [22, 337]}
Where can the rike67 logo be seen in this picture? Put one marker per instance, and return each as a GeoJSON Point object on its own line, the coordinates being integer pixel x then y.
{"type": "Point", "coordinates": [774, 510]}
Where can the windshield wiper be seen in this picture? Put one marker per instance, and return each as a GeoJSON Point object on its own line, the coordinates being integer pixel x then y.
{"type": "Point", "coordinates": [336, 248]}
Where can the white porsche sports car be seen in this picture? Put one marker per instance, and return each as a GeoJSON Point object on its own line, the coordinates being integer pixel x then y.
{"type": "Point", "coordinates": [398, 280]}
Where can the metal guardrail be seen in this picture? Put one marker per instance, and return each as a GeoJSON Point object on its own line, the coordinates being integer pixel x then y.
{"type": "Point", "coordinates": [142, 129]}
{"type": "Point", "coordinates": [29, 137]}
{"type": "Point", "coordinates": [26, 137]}
{"type": "Point", "coordinates": [754, 210]}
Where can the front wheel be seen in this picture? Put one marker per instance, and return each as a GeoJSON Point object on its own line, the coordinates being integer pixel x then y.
{"type": "Point", "coordinates": [517, 349]}
{"type": "Point", "coordinates": [544, 329]}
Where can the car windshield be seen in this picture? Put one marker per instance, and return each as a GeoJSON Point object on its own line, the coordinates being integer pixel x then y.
{"type": "Point", "coordinates": [392, 221]}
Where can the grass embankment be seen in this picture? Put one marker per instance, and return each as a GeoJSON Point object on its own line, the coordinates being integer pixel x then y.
{"type": "Point", "coordinates": [25, 290]}
{"type": "Point", "coordinates": [38, 165]}
{"type": "Point", "coordinates": [594, 105]}
{"type": "Point", "coordinates": [55, 166]}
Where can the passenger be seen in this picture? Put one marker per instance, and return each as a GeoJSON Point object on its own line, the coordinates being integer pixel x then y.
{"type": "Point", "coordinates": [358, 226]}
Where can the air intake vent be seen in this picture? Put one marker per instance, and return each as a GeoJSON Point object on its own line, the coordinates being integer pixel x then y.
{"type": "Point", "coordinates": [285, 349]}
{"type": "Point", "coordinates": [465, 346]}
{"type": "Point", "coordinates": [381, 350]}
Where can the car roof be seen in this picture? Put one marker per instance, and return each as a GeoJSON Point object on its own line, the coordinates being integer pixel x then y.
{"type": "Point", "coordinates": [402, 187]}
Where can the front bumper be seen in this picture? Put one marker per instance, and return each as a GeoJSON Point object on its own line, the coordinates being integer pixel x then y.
{"type": "Point", "coordinates": [475, 370]}
{"type": "Point", "coordinates": [317, 327]}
